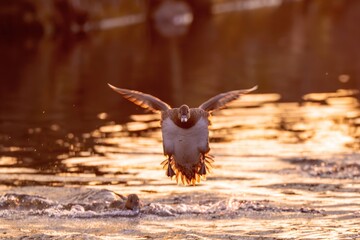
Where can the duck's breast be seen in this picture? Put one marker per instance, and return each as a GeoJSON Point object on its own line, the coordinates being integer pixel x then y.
{"type": "Point", "coordinates": [185, 144]}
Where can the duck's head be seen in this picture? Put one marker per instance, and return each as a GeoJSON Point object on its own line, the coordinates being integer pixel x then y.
{"type": "Point", "coordinates": [132, 202]}
{"type": "Point", "coordinates": [184, 113]}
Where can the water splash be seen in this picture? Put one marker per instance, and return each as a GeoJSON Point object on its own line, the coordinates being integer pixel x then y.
{"type": "Point", "coordinates": [91, 203]}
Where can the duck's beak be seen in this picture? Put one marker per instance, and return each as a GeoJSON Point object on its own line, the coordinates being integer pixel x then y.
{"type": "Point", "coordinates": [184, 118]}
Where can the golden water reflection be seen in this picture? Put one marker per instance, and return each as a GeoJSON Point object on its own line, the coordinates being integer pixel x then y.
{"type": "Point", "coordinates": [256, 126]}
{"type": "Point", "coordinates": [291, 169]}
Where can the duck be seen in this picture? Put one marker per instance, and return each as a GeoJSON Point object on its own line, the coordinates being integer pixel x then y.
{"type": "Point", "coordinates": [185, 132]}
{"type": "Point", "coordinates": [132, 203]}
{"type": "Point", "coordinates": [102, 199]}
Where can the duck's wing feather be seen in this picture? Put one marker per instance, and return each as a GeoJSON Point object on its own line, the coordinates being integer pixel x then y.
{"type": "Point", "coordinates": [220, 101]}
{"type": "Point", "coordinates": [142, 99]}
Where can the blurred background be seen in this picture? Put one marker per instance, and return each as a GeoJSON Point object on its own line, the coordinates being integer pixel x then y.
{"type": "Point", "coordinates": [58, 56]}
{"type": "Point", "coordinates": [286, 156]}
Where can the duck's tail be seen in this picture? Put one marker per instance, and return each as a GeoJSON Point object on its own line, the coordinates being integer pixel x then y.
{"type": "Point", "coordinates": [190, 175]}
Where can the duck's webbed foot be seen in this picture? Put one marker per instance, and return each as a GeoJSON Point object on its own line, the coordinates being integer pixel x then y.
{"type": "Point", "coordinates": [202, 170]}
{"type": "Point", "coordinates": [169, 171]}
{"type": "Point", "coordinates": [206, 161]}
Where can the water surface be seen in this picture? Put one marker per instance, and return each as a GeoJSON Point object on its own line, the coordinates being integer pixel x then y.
{"type": "Point", "coordinates": [286, 157]}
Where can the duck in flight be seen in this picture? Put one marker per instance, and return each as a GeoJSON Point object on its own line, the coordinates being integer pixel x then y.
{"type": "Point", "coordinates": [185, 132]}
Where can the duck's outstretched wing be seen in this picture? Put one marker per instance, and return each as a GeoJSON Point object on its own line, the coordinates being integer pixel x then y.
{"type": "Point", "coordinates": [142, 99]}
{"type": "Point", "coordinates": [220, 101]}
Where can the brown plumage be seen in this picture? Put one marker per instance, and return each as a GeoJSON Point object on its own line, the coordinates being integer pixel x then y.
{"type": "Point", "coordinates": [185, 132]}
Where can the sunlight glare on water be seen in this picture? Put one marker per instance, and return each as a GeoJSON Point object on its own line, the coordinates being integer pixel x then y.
{"type": "Point", "coordinates": [277, 172]}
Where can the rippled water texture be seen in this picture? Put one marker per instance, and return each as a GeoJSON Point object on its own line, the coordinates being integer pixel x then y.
{"type": "Point", "coordinates": [73, 153]}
